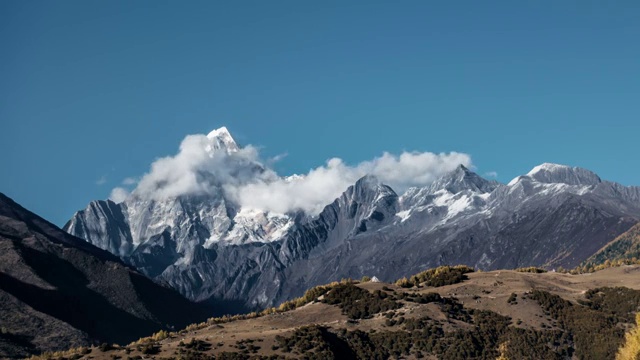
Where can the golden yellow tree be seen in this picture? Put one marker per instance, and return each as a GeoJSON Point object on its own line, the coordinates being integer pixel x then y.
{"type": "Point", "coordinates": [503, 349]}
{"type": "Point", "coordinates": [630, 350]}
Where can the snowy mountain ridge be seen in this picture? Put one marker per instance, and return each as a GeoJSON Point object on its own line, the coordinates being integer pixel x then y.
{"type": "Point", "coordinates": [208, 246]}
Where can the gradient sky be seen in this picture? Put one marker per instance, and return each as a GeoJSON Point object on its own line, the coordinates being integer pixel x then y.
{"type": "Point", "coordinates": [91, 92]}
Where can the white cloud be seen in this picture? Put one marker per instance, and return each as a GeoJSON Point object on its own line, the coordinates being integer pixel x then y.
{"type": "Point", "coordinates": [118, 194]}
{"type": "Point", "coordinates": [491, 174]}
{"type": "Point", "coordinates": [412, 168]}
{"type": "Point", "coordinates": [197, 169]}
{"type": "Point", "coordinates": [102, 180]}
{"type": "Point", "coordinates": [322, 185]}
{"type": "Point", "coordinates": [277, 158]}
{"type": "Point", "coordinates": [129, 181]}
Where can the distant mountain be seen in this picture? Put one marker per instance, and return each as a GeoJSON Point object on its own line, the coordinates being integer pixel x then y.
{"type": "Point", "coordinates": [57, 291]}
{"type": "Point", "coordinates": [208, 247]}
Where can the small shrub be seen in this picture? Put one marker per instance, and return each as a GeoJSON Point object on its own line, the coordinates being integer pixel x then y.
{"type": "Point", "coordinates": [197, 345]}
{"type": "Point", "coordinates": [105, 347]}
{"type": "Point", "coordinates": [440, 276]}
{"type": "Point", "coordinates": [150, 349]}
{"type": "Point", "coordinates": [160, 335]}
{"type": "Point", "coordinates": [358, 303]}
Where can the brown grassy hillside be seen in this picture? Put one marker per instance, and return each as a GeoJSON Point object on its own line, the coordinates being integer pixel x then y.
{"type": "Point", "coordinates": [507, 314]}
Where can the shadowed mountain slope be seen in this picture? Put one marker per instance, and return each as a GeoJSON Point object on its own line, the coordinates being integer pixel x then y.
{"type": "Point", "coordinates": [57, 291]}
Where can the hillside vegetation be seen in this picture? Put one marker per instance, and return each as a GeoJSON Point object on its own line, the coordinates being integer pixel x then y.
{"type": "Point", "coordinates": [623, 250]}
{"type": "Point", "coordinates": [631, 348]}
{"type": "Point", "coordinates": [440, 276]}
{"type": "Point", "coordinates": [522, 314]}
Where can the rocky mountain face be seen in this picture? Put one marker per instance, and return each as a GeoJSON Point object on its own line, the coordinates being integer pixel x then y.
{"type": "Point", "coordinates": [208, 247]}
{"type": "Point", "coordinates": [57, 291]}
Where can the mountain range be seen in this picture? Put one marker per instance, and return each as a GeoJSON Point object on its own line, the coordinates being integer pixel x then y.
{"type": "Point", "coordinates": [210, 248]}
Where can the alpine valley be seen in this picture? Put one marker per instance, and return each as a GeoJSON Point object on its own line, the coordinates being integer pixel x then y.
{"type": "Point", "coordinates": [211, 249]}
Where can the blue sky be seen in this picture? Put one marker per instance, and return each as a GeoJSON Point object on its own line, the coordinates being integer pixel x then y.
{"type": "Point", "coordinates": [96, 90]}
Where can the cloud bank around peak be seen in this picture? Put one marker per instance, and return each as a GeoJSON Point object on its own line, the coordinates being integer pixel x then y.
{"type": "Point", "coordinates": [199, 169]}
{"type": "Point", "coordinates": [313, 191]}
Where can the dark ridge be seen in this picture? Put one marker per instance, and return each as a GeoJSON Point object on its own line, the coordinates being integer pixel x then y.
{"type": "Point", "coordinates": [58, 291]}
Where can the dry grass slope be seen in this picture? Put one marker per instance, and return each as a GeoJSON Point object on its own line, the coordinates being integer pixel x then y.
{"type": "Point", "coordinates": [489, 315]}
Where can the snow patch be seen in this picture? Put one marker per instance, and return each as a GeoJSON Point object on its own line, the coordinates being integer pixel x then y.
{"type": "Point", "coordinates": [546, 167]}
{"type": "Point", "coordinates": [459, 205]}
{"type": "Point", "coordinates": [455, 204]}
{"type": "Point", "coordinates": [253, 225]}
{"type": "Point", "coordinates": [403, 215]}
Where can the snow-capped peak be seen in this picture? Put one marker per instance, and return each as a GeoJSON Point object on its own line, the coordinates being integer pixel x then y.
{"type": "Point", "coordinates": [563, 174]}
{"type": "Point", "coordinates": [547, 167]}
{"type": "Point", "coordinates": [221, 139]}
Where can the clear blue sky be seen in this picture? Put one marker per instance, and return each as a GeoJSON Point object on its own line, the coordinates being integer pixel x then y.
{"type": "Point", "coordinates": [98, 89]}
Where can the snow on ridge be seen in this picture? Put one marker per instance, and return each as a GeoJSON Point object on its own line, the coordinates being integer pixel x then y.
{"type": "Point", "coordinates": [459, 205]}
{"type": "Point", "coordinates": [516, 180]}
{"type": "Point", "coordinates": [454, 204]}
{"type": "Point", "coordinates": [403, 215]}
{"type": "Point", "coordinates": [546, 167]}
{"type": "Point", "coordinates": [220, 133]}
